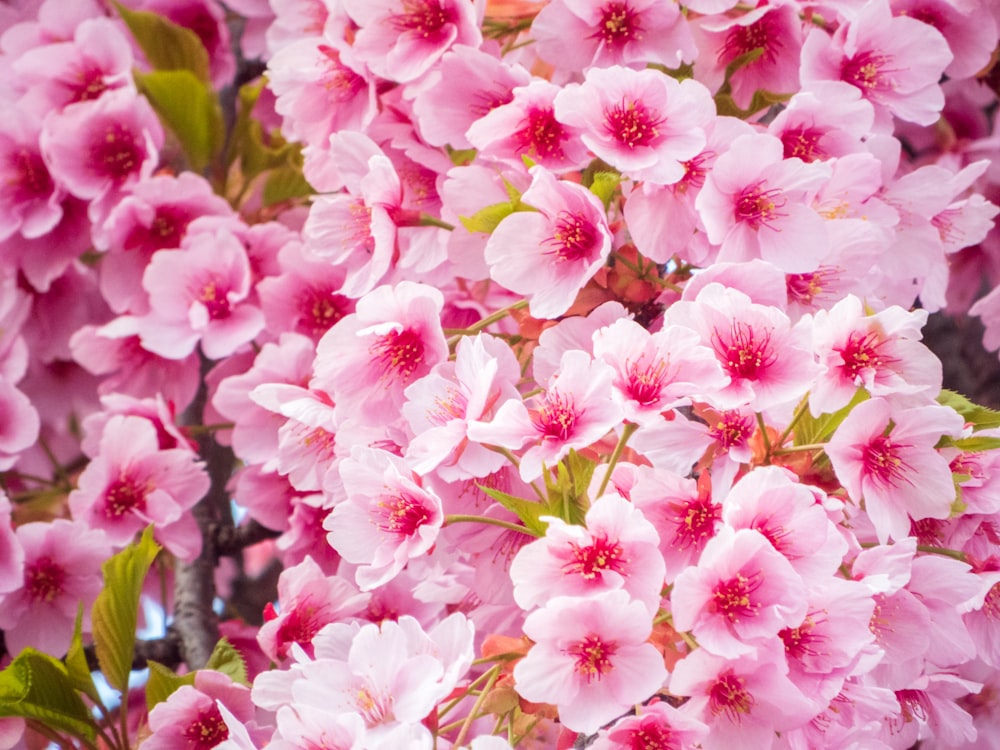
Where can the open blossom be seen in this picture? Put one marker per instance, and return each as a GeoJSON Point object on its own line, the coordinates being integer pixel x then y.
{"type": "Point", "coordinates": [615, 550]}
{"type": "Point", "coordinates": [887, 458]}
{"type": "Point", "coordinates": [643, 122]}
{"type": "Point", "coordinates": [190, 718]}
{"type": "Point", "coordinates": [387, 519]}
{"type": "Point", "coordinates": [655, 726]}
{"type": "Point", "coordinates": [549, 254]}
{"type": "Point", "coordinates": [574, 411]}
{"type": "Point", "coordinates": [590, 658]}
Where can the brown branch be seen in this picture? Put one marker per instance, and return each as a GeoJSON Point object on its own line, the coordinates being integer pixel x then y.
{"type": "Point", "coordinates": [166, 651]}
{"type": "Point", "coordinates": [231, 540]}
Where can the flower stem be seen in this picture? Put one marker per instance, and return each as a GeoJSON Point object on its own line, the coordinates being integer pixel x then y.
{"type": "Point", "coordinates": [459, 518]}
{"type": "Point", "coordinates": [629, 430]}
{"type": "Point", "coordinates": [489, 320]}
{"type": "Point", "coordinates": [478, 705]}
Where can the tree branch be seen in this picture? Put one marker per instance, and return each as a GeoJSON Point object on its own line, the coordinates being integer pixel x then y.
{"type": "Point", "coordinates": [166, 651]}
{"type": "Point", "coordinates": [231, 540]}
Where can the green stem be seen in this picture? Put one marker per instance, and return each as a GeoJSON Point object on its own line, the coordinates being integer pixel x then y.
{"type": "Point", "coordinates": [477, 706]}
{"type": "Point", "coordinates": [799, 448]}
{"type": "Point", "coordinates": [485, 322]}
{"type": "Point", "coordinates": [629, 430]}
{"type": "Point", "coordinates": [795, 418]}
{"type": "Point", "coordinates": [426, 220]}
{"type": "Point", "coordinates": [763, 434]}
{"type": "Point", "coordinates": [953, 553]}
{"type": "Point", "coordinates": [459, 518]}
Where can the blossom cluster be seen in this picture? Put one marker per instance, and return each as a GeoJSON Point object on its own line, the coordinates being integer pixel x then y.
{"type": "Point", "coordinates": [565, 357]}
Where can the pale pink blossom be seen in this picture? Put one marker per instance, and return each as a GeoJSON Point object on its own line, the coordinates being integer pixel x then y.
{"type": "Point", "coordinates": [387, 519]}
{"type": "Point", "coordinates": [968, 27]}
{"type": "Point", "coordinates": [739, 596]}
{"type": "Point", "coordinates": [615, 550]}
{"type": "Point", "coordinates": [643, 122]}
{"type": "Point", "coordinates": [571, 332]}
{"type": "Point", "coordinates": [886, 457]}
{"type": "Point", "coordinates": [590, 658]}
{"type": "Point", "coordinates": [62, 569]}
{"type": "Point", "coordinates": [11, 553]}
{"type": "Point", "coordinates": [827, 119]}
{"type": "Point", "coordinates": [575, 410]}
{"type": "Point", "coordinates": [190, 718]}
{"type": "Point", "coordinates": [578, 34]}
{"type": "Point", "coordinates": [30, 200]}
{"type": "Point", "coordinates": [19, 424]}
{"type": "Point", "coordinates": [655, 726]}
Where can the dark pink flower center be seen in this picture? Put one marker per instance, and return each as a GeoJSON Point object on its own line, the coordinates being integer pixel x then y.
{"type": "Point", "coordinates": [733, 599]}
{"type": "Point", "coordinates": [341, 83]}
{"type": "Point", "coordinates": [802, 642]}
{"type": "Point", "coordinates": [299, 627]}
{"type": "Point", "coordinates": [208, 730]}
{"type": "Point", "coordinates": [729, 696]}
{"type": "Point", "coordinates": [746, 354]}
{"type": "Point", "coordinates": [319, 309]}
{"type": "Point", "coordinates": [759, 35]}
{"type": "Point", "coordinates": [424, 18]}
{"type": "Point", "coordinates": [928, 531]}
{"type": "Point", "coordinates": [44, 579]}
{"type": "Point", "coordinates": [695, 522]}
{"type": "Point", "coordinates": [803, 143]}
{"type": "Point", "coordinates": [732, 429]}
{"type": "Point", "coordinates": [398, 353]}
{"type": "Point", "coordinates": [401, 514]}
{"type": "Point", "coordinates": [869, 72]}
{"type": "Point", "coordinates": [31, 174]}
{"type": "Point", "coordinates": [694, 171]}
{"type": "Point", "coordinates": [645, 382]}
{"type": "Point", "coordinates": [556, 417]}
{"type": "Point", "coordinates": [618, 26]}
{"type": "Point", "coordinates": [632, 124]}
{"type": "Point", "coordinates": [880, 460]}
{"type": "Point", "coordinates": [651, 736]}
{"type": "Point", "coordinates": [804, 288]}
{"type": "Point", "coordinates": [758, 207]}
{"type": "Point", "coordinates": [913, 704]}
{"type": "Point", "coordinates": [991, 606]}
{"type": "Point", "coordinates": [861, 352]}
{"type": "Point", "coordinates": [124, 495]}
{"type": "Point", "coordinates": [215, 300]}
{"type": "Point", "coordinates": [574, 237]}
{"type": "Point", "coordinates": [116, 154]}
{"type": "Point", "coordinates": [540, 134]}
{"type": "Point", "coordinates": [592, 560]}
{"type": "Point", "coordinates": [593, 657]}
{"type": "Point", "coordinates": [89, 85]}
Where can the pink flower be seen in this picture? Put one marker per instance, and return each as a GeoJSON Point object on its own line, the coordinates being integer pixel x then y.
{"type": "Point", "coordinates": [740, 594]}
{"type": "Point", "coordinates": [101, 148]}
{"type": "Point", "coordinates": [642, 122]}
{"type": "Point", "coordinates": [11, 553]}
{"type": "Point", "coordinates": [575, 35]}
{"type": "Point", "coordinates": [19, 424]}
{"type": "Point", "coordinates": [881, 353]}
{"type": "Point", "coordinates": [527, 126]}
{"type": "Point", "coordinates": [887, 458]}
{"type": "Point", "coordinates": [207, 19]}
{"type": "Point", "coordinates": [401, 39]}
{"type": "Point", "coordinates": [30, 200]}
{"type": "Point", "coordinates": [308, 600]}
{"type": "Point", "coordinates": [615, 550]}
{"type": "Point", "coordinates": [574, 411]}
{"type": "Point", "coordinates": [895, 61]}
{"type": "Point", "coordinates": [387, 519]}
{"type": "Point", "coordinates": [549, 254]}
{"type": "Point", "coordinates": [590, 658]}
{"type": "Point", "coordinates": [440, 406]}
{"type": "Point", "coordinates": [190, 718]}
{"type": "Point", "coordinates": [366, 361]}
{"type": "Point", "coordinates": [62, 568]}
{"type": "Point", "coordinates": [755, 204]}
{"type": "Point", "coordinates": [199, 294]}
{"type": "Point", "coordinates": [131, 483]}
{"type": "Point", "coordinates": [828, 119]}
{"type": "Point", "coordinates": [656, 726]}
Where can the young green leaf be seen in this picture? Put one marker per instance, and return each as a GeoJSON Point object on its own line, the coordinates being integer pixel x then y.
{"type": "Point", "coordinates": [162, 683]}
{"type": "Point", "coordinates": [76, 662]}
{"type": "Point", "coordinates": [165, 44]}
{"type": "Point", "coordinates": [528, 511]}
{"type": "Point", "coordinates": [116, 608]}
{"type": "Point", "coordinates": [227, 660]}
{"type": "Point", "coordinates": [37, 686]}
{"type": "Point", "coordinates": [980, 416]}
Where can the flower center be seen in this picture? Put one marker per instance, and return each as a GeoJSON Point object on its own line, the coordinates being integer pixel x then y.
{"type": "Point", "coordinates": [619, 25]}
{"type": "Point", "coordinates": [44, 579]}
{"type": "Point", "coordinates": [299, 627]}
{"type": "Point", "coordinates": [600, 555]}
{"type": "Point", "coordinates": [881, 461]}
{"type": "Point", "coordinates": [803, 143]}
{"type": "Point", "coordinates": [452, 405]}
{"type": "Point", "coordinates": [401, 514]}
{"type": "Point", "coordinates": [541, 134]}
{"type": "Point", "coordinates": [804, 288]}
{"type": "Point", "coordinates": [861, 353]}
{"type": "Point", "coordinates": [645, 383]}
{"type": "Point", "coordinates": [651, 736]}
{"type": "Point", "coordinates": [319, 309]}
{"type": "Point", "coordinates": [215, 300]}
{"type": "Point", "coordinates": [729, 696]}
{"type": "Point", "coordinates": [758, 207]}
{"type": "Point", "coordinates": [991, 607]}
{"type": "Point", "coordinates": [574, 237]}
{"type": "Point", "coordinates": [868, 71]}
{"type": "Point", "coordinates": [123, 495]}
{"type": "Point", "coordinates": [422, 17]}
{"type": "Point", "coordinates": [557, 417]}
{"type": "Point", "coordinates": [696, 519]}
{"type": "Point", "coordinates": [733, 429]}
{"type": "Point", "coordinates": [398, 353]}
{"type": "Point", "coordinates": [802, 642]}
{"type": "Point", "coordinates": [116, 154]}
{"type": "Point", "coordinates": [340, 82]}
{"type": "Point", "coordinates": [32, 175]}
{"type": "Point", "coordinates": [733, 598]}
{"type": "Point", "coordinates": [593, 657]}
{"type": "Point", "coordinates": [208, 730]}
{"type": "Point", "coordinates": [744, 355]}
{"type": "Point", "coordinates": [632, 124]}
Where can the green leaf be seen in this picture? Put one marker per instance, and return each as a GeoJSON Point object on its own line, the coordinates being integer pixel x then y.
{"type": "Point", "coordinates": [190, 109]}
{"type": "Point", "coordinates": [76, 662]}
{"type": "Point", "coordinates": [604, 186]}
{"type": "Point", "coordinates": [166, 45]}
{"type": "Point", "coordinates": [36, 686]}
{"type": "Point", "coordinates": [284, 184]}
{"type": "Point", "coordinates": [810, 429]}
{"type": "Point", "coordinates": [976, 444]}
{"type": "Point", "coordinates": [461, 156]}
{"type": "Point", "coordinates": [574, 473]}
{"type": "Point", "coordinates": [116, 609]}
{"type": "Point", "coordinates": [163, 682]}
{"type": "Point", "coordinates": [980, 416]}
{"type": "Point", "coordinates": [529, 511]}
{"type": "Point", "coordinates": [485, 220]}
{"type": "Point", "coordinates": [227, 660]}
{"type": "Point", "coordinates": [747, 58]}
